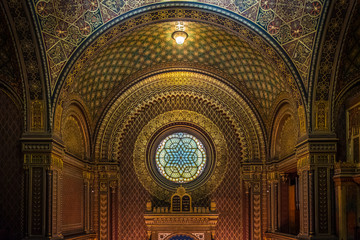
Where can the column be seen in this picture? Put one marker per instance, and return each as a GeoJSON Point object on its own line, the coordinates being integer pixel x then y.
{"type": "Point", "coordinates": [253, 176]}
{"type": "Point", "coordinates": [88, 196]}
{"type": "Point", "coordinates": [43, 163]}
{"type": "Point", "coordinates": [108, 184]}
{"type": "Point", "coordinates": [274, 195]}
{"type": "Point", "coordinates": [315, 169]}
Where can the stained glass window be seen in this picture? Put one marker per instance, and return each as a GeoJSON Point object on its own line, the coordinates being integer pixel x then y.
{"type": "Point", "coordinates": [180, 157]}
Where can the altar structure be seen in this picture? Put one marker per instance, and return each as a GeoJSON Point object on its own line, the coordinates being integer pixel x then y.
{"type": "Point", "coordinates": [181, 220]}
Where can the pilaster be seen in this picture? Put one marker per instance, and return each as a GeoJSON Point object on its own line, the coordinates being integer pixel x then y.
{"type": "Point", "coordinates": [316, 157]}
{"type": "Point", "coordinates": [273, 178]}
{"type": "Point", "coordinates": [346, 178]}
{"type": "Point", "coordinates": [108, 182]}
{"type": "Point", "coordinates": [88, 176]}
{"type": "Point", "coordinates": [43, 164]}
{"type": "Point", "coordinates": [253, 178]}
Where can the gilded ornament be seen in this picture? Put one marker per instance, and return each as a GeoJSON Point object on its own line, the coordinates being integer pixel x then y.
{"type": "Point", "coordinates": [139, 154]}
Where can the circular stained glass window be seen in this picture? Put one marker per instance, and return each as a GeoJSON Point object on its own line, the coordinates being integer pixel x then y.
{"type": "Point", "coordinates": [180, 157]}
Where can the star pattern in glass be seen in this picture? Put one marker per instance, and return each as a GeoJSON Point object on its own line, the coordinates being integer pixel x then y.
{"type": "Point", "coordinates": [180, 157]}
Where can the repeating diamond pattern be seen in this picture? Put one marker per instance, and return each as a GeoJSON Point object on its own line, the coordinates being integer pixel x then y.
{"type": "Point", "coordinates": [134, 196]}
{"type": "Point", "coordinates": [11, 170]}
{"type": "Point", "coordinates": [152, 45]}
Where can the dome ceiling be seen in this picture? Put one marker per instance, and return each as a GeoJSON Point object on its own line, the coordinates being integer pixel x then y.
{"type": "Point", "coordinates": [64, 25]}
{"type": "Point", "coordinates": [208, 48]}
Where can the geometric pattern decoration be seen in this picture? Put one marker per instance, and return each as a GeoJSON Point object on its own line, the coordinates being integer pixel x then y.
{"type": "Point", "coordinates": [150, 46]}
{"type": "Point", "coordinates": [173, 85]}
{"type": "Point", "coordinates": [73, 137]}
{"type": "Point", "coordinates": [157, 188]}
{"type": "Point", "coordinates": [64, 25]}
{"type": "Point", "coordinates": [11, 170]}
{"type": "Point", "coordinates": [180, 157]}
{"type": "Point", "coordinates": [328, 57]}
{"type": "Point", "coordinates": [133, 195]}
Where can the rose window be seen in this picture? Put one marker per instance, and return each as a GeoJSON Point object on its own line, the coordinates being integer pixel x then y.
{"type": "Point", "coordinates": [180, 157]}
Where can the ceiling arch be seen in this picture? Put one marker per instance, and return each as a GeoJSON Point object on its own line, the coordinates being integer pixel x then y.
{"type": "Point", "coordinates": [168, 89]}
{"type": "Point", "coordinates": [65, 25]}
{"type": "Point", "coordinates": [264, 52]}
{"type": "Point", "coordinates": [207, 46]}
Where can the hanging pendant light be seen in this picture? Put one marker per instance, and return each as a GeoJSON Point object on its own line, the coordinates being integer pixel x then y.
{"type": "Point", "coordinates": [179, 35]}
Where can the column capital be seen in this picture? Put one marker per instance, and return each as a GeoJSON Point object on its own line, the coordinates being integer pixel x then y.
{"type": "Point", "coordinates": [107, 171]}
{"type": "Point", "coordinates": [316, 144]}
{"type": "Point", "coordinates": [42, 151]}
{"type": "Point", "coordinates": [253, 172]}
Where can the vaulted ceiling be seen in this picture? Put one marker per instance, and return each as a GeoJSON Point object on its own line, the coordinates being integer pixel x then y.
{"type": "Point", "coordinates": [208, 48]}
{"type": "Point", "coordinates": [93, 49]}
{"type": "Point", "coordinates": [64, 25]}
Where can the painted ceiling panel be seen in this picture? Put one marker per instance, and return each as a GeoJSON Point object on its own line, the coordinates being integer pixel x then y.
{"type": "Point", "coordinates": [65, 24]}
{"type": "Point", "coordinates": [152, 45]}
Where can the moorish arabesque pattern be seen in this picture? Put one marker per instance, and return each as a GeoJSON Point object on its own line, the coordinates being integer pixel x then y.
{"type": "Point", "coordinates": [64, 25]}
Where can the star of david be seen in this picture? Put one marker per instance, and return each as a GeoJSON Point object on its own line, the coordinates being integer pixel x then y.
{"type": "Point", "coordinates": [181, 157]}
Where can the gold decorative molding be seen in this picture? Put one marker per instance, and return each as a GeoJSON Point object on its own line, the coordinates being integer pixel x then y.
{"type": "Point", "coordinates": [88, 175]}
{"type": "Point", "coordinates": [179, 83]}
{"type": "Point", "coordinates": [57, 161]}
{"type": "Point", "coordinates": [321, 115]}
{"type": "Point", "coordinates": [58, 118]}
{"type": "Point", "coordinates": [37, 115]}
{"type": "Point", "coordinates": [303, 162]}
{"type": "Point", "coordinates": [160, 220]}
{"type": "Point", "coordinates": [43, 159]}
{"type": "Point", "coordinates": [302, 119]}
{"type": "Point", "coordinates": [141, 145]}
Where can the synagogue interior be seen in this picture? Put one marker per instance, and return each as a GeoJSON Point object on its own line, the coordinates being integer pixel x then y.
{"type": "Point", "coordinates": [180, 120]}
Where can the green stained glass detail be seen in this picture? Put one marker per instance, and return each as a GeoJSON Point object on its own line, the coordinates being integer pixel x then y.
{"type": "Point", "coordinates": [180, 157]}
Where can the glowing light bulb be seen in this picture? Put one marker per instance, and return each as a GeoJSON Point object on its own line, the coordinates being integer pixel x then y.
{"type": "Point", "coordinates": [179, 36]}
{"type": "Point", "coordinates": [180, 40]}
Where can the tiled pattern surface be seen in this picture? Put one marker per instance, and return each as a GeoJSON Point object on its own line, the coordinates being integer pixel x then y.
{"type": "Point", "coordinates": [134, 196]}
{"type": "Point", "coordinates": [11, 170]}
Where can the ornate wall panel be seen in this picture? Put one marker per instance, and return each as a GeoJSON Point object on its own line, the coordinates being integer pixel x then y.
{"type": "Point", "coordinates": [133, 196]}
{"type": "Point", "coordinates": [287, 138]}
{"type": "Point", "coordinates": [73, 137]}
{"type": "Point", "coordinates": [11, 170]}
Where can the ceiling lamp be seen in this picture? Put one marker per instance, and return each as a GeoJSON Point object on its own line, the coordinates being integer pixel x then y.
{"type": "Point", "coordinates": [179, 35]}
